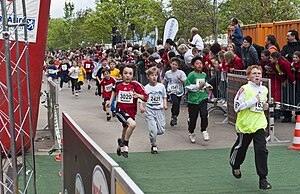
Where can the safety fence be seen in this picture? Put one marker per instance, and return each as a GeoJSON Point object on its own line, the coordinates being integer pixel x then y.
{"type": "Point", "coordinates": [87, 168]}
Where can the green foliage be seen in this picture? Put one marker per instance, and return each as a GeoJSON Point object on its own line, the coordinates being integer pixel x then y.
{"type": "Point", "coordinates": [94, 26]}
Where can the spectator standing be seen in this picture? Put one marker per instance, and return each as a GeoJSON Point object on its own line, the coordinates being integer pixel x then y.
{"type": "Point", "coordinates": [237, 36]}
{"type": "Point", "coordinates": [282, 69]}
{"type": "Point", "coordinates": [196, 40]}
{"type": "Point", "coordinates": [249, 54]}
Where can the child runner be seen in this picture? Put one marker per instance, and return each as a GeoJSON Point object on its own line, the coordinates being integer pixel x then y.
{"type": "Point", "coordinates": [196, 86]}
{"type": "Point", "coordinates": [115, 73]}
{"type": "Point", "coordinates": [174, 79]}
{"type": "Point", "coordinates": [250, 103]}
{"type": "Point", "coordinates": [81, 74]}
{"type": "Point", "coordinates": [127, 92]}
{"type": "Point", "coordinates": [89, 67]}
{"type": "Point", "coordinates": [63, 72]}
{"type": "Point", "coordinates": [157, 101]}
{"type": "Point", "coordinates": [107, 83]}
{"type": "Point", "coordinates": [52, 71]}
{"type": "Point", "coordinates": [73, 73]}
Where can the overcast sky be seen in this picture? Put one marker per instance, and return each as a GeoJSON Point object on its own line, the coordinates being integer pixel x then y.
{"type": "Point", "coordinates": [57, 6]}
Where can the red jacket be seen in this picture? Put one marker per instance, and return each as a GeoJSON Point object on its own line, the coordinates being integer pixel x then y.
{"type": "Point", "coordinates": [237, 63]}
{"type": "Point", "coordinates": [285, 68]}
{"type": "Point", "coordinates": [297, 69]}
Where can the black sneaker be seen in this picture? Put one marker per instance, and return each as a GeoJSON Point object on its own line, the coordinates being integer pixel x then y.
{"type": "Point", "coordinates": [124, 151]}
{"type": "Point", "coordinates": [113, 113]}
{"type": "Point", "coordinates": [237, 173]}
{"type": "Point", "coordinates": [89, 87]}
{"type": "Point", "coordinates": [153, 150]}
{"type": "Point", "coordinates": [173, 121]}
{"type": "Point", "coordinates": [264, 184]}
{"type": "Point", "coordinates": [120, 144]}
{"type": "Point", "coordinates": [108, 117]}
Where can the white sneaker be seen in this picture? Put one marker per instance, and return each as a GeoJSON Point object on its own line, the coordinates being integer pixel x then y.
{"type": "Point", "coordinates": [60, 90]}
{"type": "Point", "coordinates": [205, 135]}
{"type": "Point", "coordinates": [76, 94]}
{"type": "Point", "coordinates": [192, 137]}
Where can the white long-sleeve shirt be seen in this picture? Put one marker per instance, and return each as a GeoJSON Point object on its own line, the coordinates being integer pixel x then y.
{"type": "Point", "coordinates": [239, 101]}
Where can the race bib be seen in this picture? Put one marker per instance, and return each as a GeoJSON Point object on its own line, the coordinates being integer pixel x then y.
{"type": "Point", "coordinates": [51, 71]}
{"type": "Point", "coordinates": [154, 99]}
{"type": "Point", "coordinates": [64, 67]}
{"type": "Point", "coordinates": [258, 107]}
{"type": "Point", "coordinates": [125, 97]}
{"type": "Point", "coordinates": [108, 87]}
{"type": "Point", "coordinates": [199, 81]}
{"type": "Point", "coordinates": [173, 88]}
{"type": "Point", "coordinates": [87, 65]}
{"type": "Point", "coordinates": [79, 72]}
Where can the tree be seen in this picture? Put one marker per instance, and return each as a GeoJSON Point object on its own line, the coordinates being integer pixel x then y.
{"type": "Point", "coordinates": [145, 14]}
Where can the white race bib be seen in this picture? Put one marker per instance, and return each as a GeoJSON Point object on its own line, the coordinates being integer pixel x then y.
{"type": "Point", "coordinates": [125, 97]}
{"type": "Point", "coordinates": [87, 65]}
{"type": "Point", "coordinates": [257, 107]}
{"type": "Point", "coordinates": [51, 71]}
{"type": "Point", "coordinates": [79, 72]}
{"type": "Point", "coordinates": [199, 81]}
{"type": "Point", "coordinates": [173, 88]}
{"type": "Point", "coordinates": [108, 87]}
{"type": "Point", "coordinates": [154, 99]}
{"type": "Point", "coordinates": [64, 67]}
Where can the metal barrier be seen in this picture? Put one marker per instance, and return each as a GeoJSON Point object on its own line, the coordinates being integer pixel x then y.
{"type": "Point", "coordinates": [219, 83]}
{"type": "Point", "coordinates": [92, 170]}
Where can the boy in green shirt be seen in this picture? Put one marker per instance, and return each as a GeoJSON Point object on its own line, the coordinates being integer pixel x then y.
{"type": "Point", "coordinates": [196, 86]}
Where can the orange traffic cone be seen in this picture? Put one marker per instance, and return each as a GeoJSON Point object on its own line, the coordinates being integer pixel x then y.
{"type": "Point", "coordinates": [296, 140]}
{"type": "Point", "coordinates": [58, 158]}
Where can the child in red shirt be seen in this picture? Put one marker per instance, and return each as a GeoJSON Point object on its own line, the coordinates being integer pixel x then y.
{"type": "Point", "coordinates": [128, 92]}
{"type": "Point", "coordinates": [107, 84]}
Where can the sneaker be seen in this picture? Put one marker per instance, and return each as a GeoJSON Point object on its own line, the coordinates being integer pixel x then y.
{"type": "Point", "coordinates": [173, 121]}
{"type": "Point", "coordinates": [192, 137]}
{"type": "Point", "coordinates": [205, 135]}
{"type": "Point", "coordinates": [108, 117]}
{"type": "Point", "coordinates": [73, 92]}
{"type": "Point", "coordinates": [237, 173]}
{"type": "Point", "coordinates": [89, 87]}
{"type": "Point", "coordinates": [120, 144]}
{"type": "Point", "coordinates": [76, 94]}
{"type": "Point", "coordinates": [113, 113]}
{"type": "Point", "coordinates": [60, 89]}
{"type": "Point", "coordinates": [124, 151]}
{"type": "Point", "coordinates": [264, 184]}
{"type": "Point", "coordinates": [153, 150]}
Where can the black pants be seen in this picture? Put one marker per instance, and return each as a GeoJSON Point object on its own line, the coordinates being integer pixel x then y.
{"type": "Point", "coordinates": [194, 110]}
{"type": "Point", "coordinates": [175, 105]}
{"type": "Point", "coordinates": [239, 149]}
{"type": "Point", "coordinates": [74, 84]}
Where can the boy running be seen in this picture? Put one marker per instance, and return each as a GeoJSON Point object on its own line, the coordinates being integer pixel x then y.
{"type": "Point", "coordinates": [196, 86]}
{"type": "Point", "coordinates": [174, 80]}
{"type": "Point", "coordinates": [250, 103]}
{"type": "Point", "coordinates": [127, 94]}
{"type": "Point", "coordinates": [107, 84]}
{"type": "Point", "coordinates": [157, 101]}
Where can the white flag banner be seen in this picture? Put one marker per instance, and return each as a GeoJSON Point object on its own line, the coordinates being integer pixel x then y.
{"type": "Point", "coordinates": [32, 12]}
{"type": "Point", "coordinates": [171, 29]}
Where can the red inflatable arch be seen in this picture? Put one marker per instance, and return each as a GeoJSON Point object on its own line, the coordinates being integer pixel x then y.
{"type": "Point", "coordinates": [37, 45]}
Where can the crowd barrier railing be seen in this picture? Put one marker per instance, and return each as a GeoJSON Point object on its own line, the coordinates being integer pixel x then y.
{"type": "Point", "coordinates": [87, 168]}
